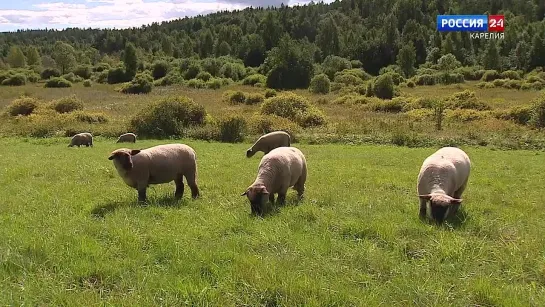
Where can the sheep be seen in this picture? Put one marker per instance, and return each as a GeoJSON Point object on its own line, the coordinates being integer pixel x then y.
{"type": "Point", "coordinates": [157, 165]}
{"type": "Point", "coordinates": [127, 137]}
{"type": "Point", "coordinates": [84, 138]}
{"type": "Point", "coordinates": [268, 142]}
{"type": "Point", "coordinates": [281, 168]}
{"type": "Point", "coordinates": [442, 179]}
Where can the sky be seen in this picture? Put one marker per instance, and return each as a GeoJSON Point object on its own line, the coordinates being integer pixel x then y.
{"type": "Point", "coordinates": [59, 14]}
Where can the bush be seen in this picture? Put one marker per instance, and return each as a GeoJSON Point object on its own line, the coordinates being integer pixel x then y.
{"type": "Point", "coordinates": [467, 115]}
{"type": "Point", "coordinates": [168, 117]}
{"type": "Point", "coordinates": [234, 97]}
{"type": "Point", "coordinates": [141, 84]}
{"type": "Point", "coordinates": [472, 73]}
{"type": "Point", "coordinates": [33, 77]}
{"type": "Point", "coordinates": [71, 77]}
{"type": "Point", "coordinates": [518, 114]}
{"type": "Point", "coordinates": [57, 82]}
{"type": "Point", "coordinates": [117, 75]}
{"type": "Point", "coordinates": [50, 72]}
{"type": "Point", "coordinates": [254, 79]}
{"type": "Point", "coordinates": [356, 64]}
{"type": "Point", "coordinates": [15, 80]}
{"type": "Point", "coordinates": [355, 99]}
{"type": "Point", "coordinates": [425, 79]}
{"type": "Point", "coordinates": [512, 84]}
{"type": "Point", "coordinates": [22, 106]}
{"type": "Point", "coordinates": [90, 118]}
{"type": "Point", "coordinates": [270, 93]}
{"type": "Point", "coordinates": [397, 78]}
{"type": "Point", "coordinates": [101, 77]}
{"type": "Point", "coordinates": [537, 118]}
{"type": "Point", "coordinates": [169, 79]}
{"type": "Point", "coordinates": [100, 67]}
{"type": "Point", "coordinates": [235, 71]}
{"type": "Point", "coordinates": [390, 106]}
{"type": "Point", "coordinates": [498, 82]}
{"type": "Point", "coordinates": [196, 83]}
{"type": "Point", "coordinates": [204, 76]}
{"type": "Point", "coordinates": [83, 71]}
{"type": "Point", "coordinates": [333, 64]}
{"type": "Point", "coordinates": [358, 73]}
{"type": "Point", "coordinates": [510, 74]}
{"type": "Point", "coordinates": [347, 79]}
{"type": "Point", "coordinates": [262, 124]}
{"type": "Point", "coordinates": [295, 108]}
{"type": "Point", "coordinates": [192, 71]}
{"type": "Point", "coordinates": [465, 100]}
{"type": "Point", "coordinates": [411, 84]}
{"type": "Point", "coordinates": [450, 78]}
{"type": "Point", "coordinates": [159, 69]}
{"type": "Point", "coordinates": [254, 98]}
{"type": "Point", "coordinates": [67, 104]}
{"type": "Point", "coordinates": [490, 75]}
{"type": "Point", "coordinates": [232, 129]}
{"type": "Point", "coordinates": [214, 83]}
{"type": "Point", "coordinates": [384, 87]}
{"type": "Point", "coordinates": [320, 84]}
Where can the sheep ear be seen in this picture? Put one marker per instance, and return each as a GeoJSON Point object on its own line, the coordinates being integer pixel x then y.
{"type": "Point", "coordinates": [425, 196]}
{"type": "Point", "coordinates": [135, 152]}
{"type": "Point", "coordinates": [245, 193]}
{"type": "Point", "coordinates": [455, 201]}
{"type": "Point", "coordinates": [111, 157]}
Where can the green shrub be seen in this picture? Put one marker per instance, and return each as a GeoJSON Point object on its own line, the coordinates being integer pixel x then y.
{"type": "Point", "coordinates": [359, 73]}
{"type": "Point", "coordinates": [262, 124]}
{"type": "Point", "coordinates": [254, 79]}
{"type": "Point", "coordinates": [537, 118]}
{"type": "Point", "coordinates": [351, 99]}
{"type": "Point", "coordinates": [117, 75]}
{"type": "Point", "coordinates": [465, 100]}
{"type": "Point", "coordinates": [234, 97]}
{"type": "Point", "coordinates": [171, 78]}
{"type": "Point", "coordinates": [232, 129]}
{"type": "Point", "coordinates": [384, 87]}
{"type": "Point", "coordinates": [72, 77]}
{"type": "Point", "coordinates": [214, 83]}
{"type": "Point", "coordinates": [168, 117]}
{"type": "Point", "coordinates": [347, 79]}
{"type": "Point", "coordinates": [425, 79]}
{"type": "Point", "coordinates": [450, 78]}
{"type": "Point", "coordinates": [159, 69]}
{"type": "Point", "coordinates": [512, 84]}
{"type": "Point", "coordinates": [467, 115]}
{"type": "Point", "coordinates": [320, 84]}
{"type": "Point", "coordinates": [141, 84]}
{"type": "Point", "coordinates": [196, 83]}
{"type": "Point", "coordinates": [510, 74]}
{"type": "Point", "coordinates": [67, 104]}
{"type": "Point", "coordinates": [333, 64]}
{"type": "Point", "coordinates": [295, 108]}
{"type": "Point", "coordinates": [90, 118]}
{"type": "Point", "coordinates": [99, 67]}
{"type": "Point", "coordinates": [15, 80]}
{"type": "Point", "coordinates": [191, 71]}
{"type": "Point", "coordinates": [390, 69]}
{"type": "Point", "coordinates": [490, 75]}
{"type": "Point", "coordinates": [57, 82]}
{"type": "Point", "coordinates": [534, 78]}
{"type": "Point", "coordinates": [83, 71]}
{"type": "Point", "coordinates": [397, 78]}
{"type": "Point", "coordinates": [270, 93]}
{"type": "Point", "coordinates": [472, 73]}
{"type": "Point", "coordinates": [235, 71]}
{"type": "Point", "coordinates": [101, 77]}
{"type": "Point", "coordinates": [50, 72]}
{"type": "Point", "coordinates": [204, 76]}
{"type": "Point", "coordinates": [22, 106]}
{"type": "Point", "coordinates": [420, 114]}
{"type": "Point", "coordinates": [254, 98]}
{"type": "Point", "coordinates": [369, 89]}
{"type": "Point", "coordinates": [356, 64]}
{"type": "Point", "coordinates": [518, 114]}
{"type": "Point", "coordinates": [498, 82]}
{"type": "Point", "coordinates": [390, 106]}
{"type": "Point", "coordinates": [335, 87]}
{"type": "Point", "coordinates": [411, 84]}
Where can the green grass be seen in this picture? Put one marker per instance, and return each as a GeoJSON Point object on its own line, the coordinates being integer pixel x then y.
{"type": "Point", "coordinates": [73, 234]}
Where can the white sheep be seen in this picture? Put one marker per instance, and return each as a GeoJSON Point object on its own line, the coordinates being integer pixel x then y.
{"type": "Point", "coordinates": [442, 179]}
{"type": "Point", "coordinates": [157, 165]}
{"type": "Point", "coordinates": [84, 138]}
{"type": "Point", "coordinates": [127, 138]}
{"type": "Point", "coordinates": [280, 169]}
{"type": "Point", "coordinates": [268, 142]}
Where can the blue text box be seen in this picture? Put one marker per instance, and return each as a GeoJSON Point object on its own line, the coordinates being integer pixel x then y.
{"type": "Point", "coordinates": [462, 23]}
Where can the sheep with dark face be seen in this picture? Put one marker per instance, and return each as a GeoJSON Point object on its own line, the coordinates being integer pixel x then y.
{"type": "Point", "coordinates": [268, 142]}
{"type": "Point", "coordinates": [442, 179]}
{"type": "Point", "coordinates": [280, 169]}
{"type": "Point", "coordinates": [84, 138]}
{"type": "Point", "coordinates": [157, 165]}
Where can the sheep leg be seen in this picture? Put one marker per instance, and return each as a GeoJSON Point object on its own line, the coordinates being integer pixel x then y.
{"type": "Point", "coordinates": [300, 184]}
{"type": "Point", "coordinates": [179, 187]}
{"type": "Point", "coordinates": [192, 183]}
{"type": "Point", "coordinates": [422, 213]}
{"type": "Point", "coordinates": [142, 194]}
{"type": "Point", "coordinates": [271, 198]}
{"type": "Point", "coordinates": [459, 192]}
{"type": "Point", "coordinates": [282, 198]}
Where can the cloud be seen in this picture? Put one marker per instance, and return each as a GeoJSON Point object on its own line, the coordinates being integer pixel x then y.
{"type": "Point", "coordinates": [117, 13]}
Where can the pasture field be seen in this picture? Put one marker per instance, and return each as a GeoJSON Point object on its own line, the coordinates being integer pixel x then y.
{"type": "Point", "coordinates": [73, 234]}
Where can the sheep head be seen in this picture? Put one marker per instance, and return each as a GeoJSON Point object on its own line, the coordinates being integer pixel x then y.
{"type": "Point", "coordinates": [258, 196]}
{"type": "Point", "coordinates": [122, 157]}
{"type": "Point", "coordinates": [441, 206]}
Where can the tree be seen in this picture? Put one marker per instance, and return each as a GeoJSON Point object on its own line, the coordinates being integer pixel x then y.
{"type": "Point", "coordinates": [206, 43]}
{"type": "Point", "coordinates": [271, 30]}
{"type": "Point", "coordinates": [33, 56]}
{"type": "Point", "coordinates": [64, 55]}
{"type": "Point", "coordinates": [16, 58]}
{"type": "Point", "coordinates": [406, 59]}
{"type": "Point", "coordinates": [537, 52]}
{"type": "Point", "coordinates": [491, 57]}
{"type": "Point", "coordinates": [327, 38]}
{"type": "Point", "coordinates": [291, 65]}
{"type": "Point", "coordinates": [448, 63]}
{"type": "Point", "coordinates": [166, 45]}
{"type": "Point", "coordinates": [130, 59]}
{"type": "Point", "coordinates": [522, 52]}
{"type": "Point", "coordinates": [223, 49]}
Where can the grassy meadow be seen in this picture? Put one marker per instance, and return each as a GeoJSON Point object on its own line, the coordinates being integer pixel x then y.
{"type": "Point", "coordinates": [73, 234]}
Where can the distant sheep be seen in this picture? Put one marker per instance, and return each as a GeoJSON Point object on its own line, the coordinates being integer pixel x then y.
{"type": "Point", "coordinates": [442, 179]}
{"type": "Point", "coordinates": [268, 142]}
{"type": "Point", "coordinates": [280, 169]}
{"type": "Point", "coordinates": [127, 138]}
{"type": "Point", "coordinates": [79, 139]}
{"type": "Point", "coordinates": [157, 165]}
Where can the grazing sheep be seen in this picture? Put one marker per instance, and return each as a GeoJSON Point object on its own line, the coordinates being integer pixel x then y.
{"type": "Point", "coordinates": [278, 170]}
{"type": "Point", "coordinates": [442, 180]}
{"type": "Point", "coordinates": [79, 139]}
{"type": "Point", "coordinates": [127, 138]}
{"type": "Point", "coordinates": [268, 142]}
{"type": "Point", "coordinates": [156, 165]}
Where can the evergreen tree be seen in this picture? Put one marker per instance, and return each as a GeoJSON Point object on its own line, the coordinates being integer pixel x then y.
{"type": "Point", "coordinates": [491, 57]}
{"type": "Point", "coordinates": [16, 58]}
{"type": "Point", "coordinates": [406, 59]}
{"type": "Point", "coordinates": [130, 59]}
{"type": "Point", "coordinates": [327, 38]}
{"type": "Point", "coordinates": [522, 53]}
{"type": "Point", "coordinates": [33, 56]}
{"type": "Point", "coordinates": [537, 52]}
